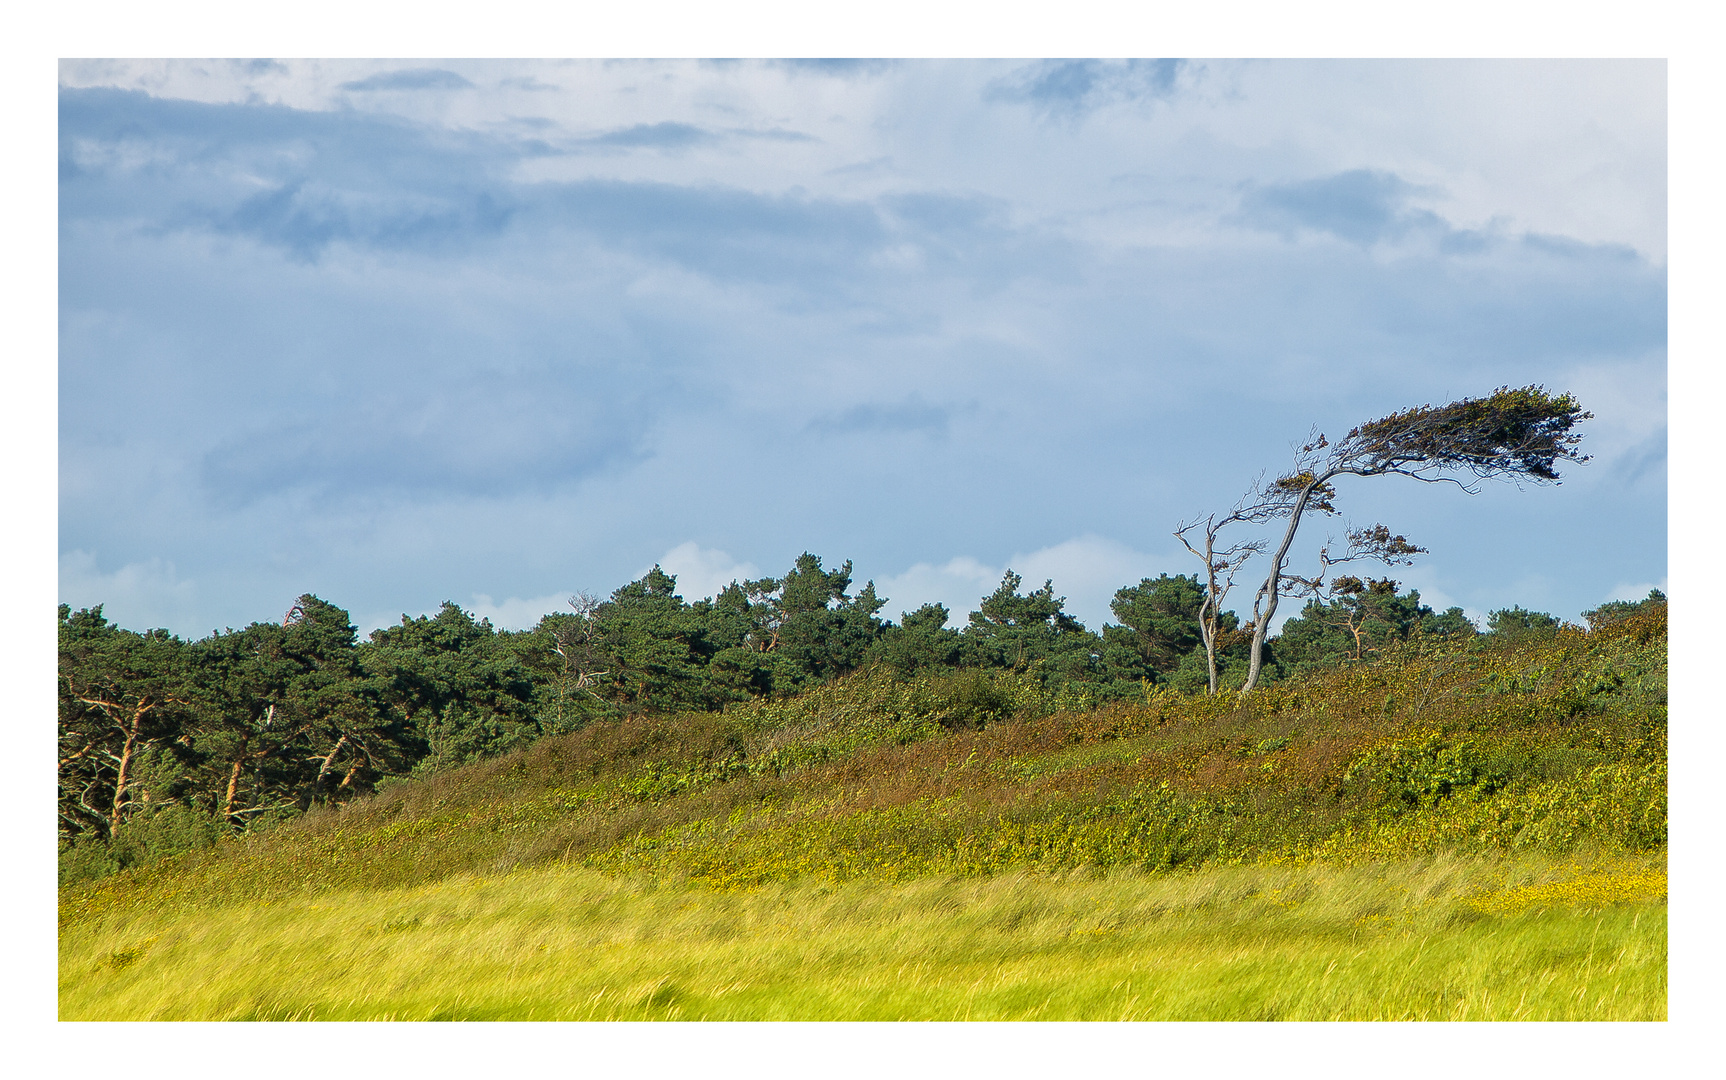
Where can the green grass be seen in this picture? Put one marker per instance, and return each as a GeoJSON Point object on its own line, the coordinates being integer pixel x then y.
{"type": "Point", "coordinates": [1448, 938]}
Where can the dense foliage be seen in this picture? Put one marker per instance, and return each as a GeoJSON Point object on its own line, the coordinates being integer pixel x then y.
{"type": "Point", "coordinates": [166, 745]}
{"type": "Point", "coordinates": [165, 742]}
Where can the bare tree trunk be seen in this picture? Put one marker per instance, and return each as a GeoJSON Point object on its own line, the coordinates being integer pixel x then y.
{"type": "Point", "coordinates": [1220, 570]}
{"type": "Point", "coordinates": [1208, 620]}
{"type": "Point", "coordinates": [234, 784]}
{"type": "Point", "coordinates": [1208, 611]}
{"type": "Point", "coordinates": [329, 759]}
{"type": "Point", "coordinates": [1211, 654]}
{"type": "Point", "coordinates": [1271, 590]}
{"type": "Point", "coordinates": [123, 778]}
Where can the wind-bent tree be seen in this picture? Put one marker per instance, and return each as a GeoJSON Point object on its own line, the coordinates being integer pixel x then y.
{"type": "Point", "coordinates": [1513, 434]}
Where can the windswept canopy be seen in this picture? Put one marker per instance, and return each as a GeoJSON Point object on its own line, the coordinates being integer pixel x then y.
{"type": "Point", "coordinates": [1524, 432]}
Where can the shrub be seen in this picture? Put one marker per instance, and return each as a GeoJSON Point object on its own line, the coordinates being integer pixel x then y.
{"type": "Point", "coordinates": [147, 838]}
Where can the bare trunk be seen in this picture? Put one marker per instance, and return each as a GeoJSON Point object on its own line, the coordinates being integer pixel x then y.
{"type": "Point", "coordinates": [1271, 590]}
{"type": "Point", "coordinates": [1208, 632]}
{"type": "Point", "coordinates": [123, 778]}
{"type": "Point", "coordinates": [1210, 611]}
{"type": "Point", "coordinates": [1211, 655]}
{"type": "Point", "coordinates": [1221, 566]}
{"type": "Point", "coordinates": [234, 784]}
{"type": "Point", "coordinates": [329, 759]}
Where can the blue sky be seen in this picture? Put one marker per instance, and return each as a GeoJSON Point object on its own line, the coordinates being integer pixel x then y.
{"type": "Point", "coordinates": [490, 332]}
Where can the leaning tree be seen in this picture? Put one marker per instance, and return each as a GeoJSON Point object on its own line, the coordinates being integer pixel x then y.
{"type": "Point", "coordinates": [1519, 434]}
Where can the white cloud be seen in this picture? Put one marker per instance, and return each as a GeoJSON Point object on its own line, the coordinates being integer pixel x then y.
{"type": "Point", "coordinates": [516, 613]}
{"type": "Point", "coordinates": [957, 583]}
{"type": "Point", "coordinates": [1087, 570]}
{"type": "Point", "coordinates": [703, 572]}
{"type": "Point", "coordinates": [149, 591]}
{"type": "Point", "coordinates": [1634, 592]}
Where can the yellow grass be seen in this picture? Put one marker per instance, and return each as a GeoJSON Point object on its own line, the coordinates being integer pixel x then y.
{"type": "Point", "coordinates": [1487, 938]}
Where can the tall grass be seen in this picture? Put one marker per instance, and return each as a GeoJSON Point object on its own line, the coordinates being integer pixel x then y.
{"type": "Point", "coordinates": [1445, 938]}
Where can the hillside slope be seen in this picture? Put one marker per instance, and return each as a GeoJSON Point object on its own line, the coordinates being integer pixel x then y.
{"type": "Point", "coordinates": [1444, 832]}
{"type": "Point", "coordinates": [1545, 744]}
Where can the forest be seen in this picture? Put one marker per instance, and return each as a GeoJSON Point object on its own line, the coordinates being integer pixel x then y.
{"type": "Point", "coordinates": [168, 744]}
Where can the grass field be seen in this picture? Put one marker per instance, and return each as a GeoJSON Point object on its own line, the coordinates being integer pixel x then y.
{"type": "Point", "coordinates": [1473, 831]}
{"type": "Point", "coordinates": [1443, 939]}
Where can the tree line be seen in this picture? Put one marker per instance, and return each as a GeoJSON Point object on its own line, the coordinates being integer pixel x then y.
{"type": "Point", "coordinates": [250, 726]}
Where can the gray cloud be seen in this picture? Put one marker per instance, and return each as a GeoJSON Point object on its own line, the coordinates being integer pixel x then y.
{"type": "Point", "coordinates": [1361, 206]}
{"type": "Point", "coordinates": [1366, 207]}
{"type": "Point", "coordinates": [663, 136]}
{"type": "Point", "coordinates": [735, 234]}
{"type": "Point", "coordinates": [358, 180]}
{"type": "Point", "coordinates": [410, 79]}
{"type": "Point", "coordinates": [676, 136]}
{"type": "Point", "coordinates": [304, 219]}
{"type": "Point", "coordinates": [1073, 88]}
{"type": "Point", "coordinates": [774, 135]}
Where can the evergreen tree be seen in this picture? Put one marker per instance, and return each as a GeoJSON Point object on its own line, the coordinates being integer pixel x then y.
{"type": "Point", "coordinates": [656, 644]}
{"type": "Point", "coordinates": [125, 699]}
{"type": "Point", "coordinates": [464, 692]}
{"type": "Point", "coordinates": [1614, 610]}
{"type": "Point", "coordinates": [1159, 619]}
{"type": "Point", "coordinates": [1358, 620]}
{"type": "Point", "coordinates": [1516, 622]}
{"type": "Point", "coordinates": [1032, 632]}
{"type": "Point", "coordinates": [922, 642]}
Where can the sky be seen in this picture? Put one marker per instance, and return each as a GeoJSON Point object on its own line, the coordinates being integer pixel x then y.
{"type": "Point", "coordinates": [492, 332]}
